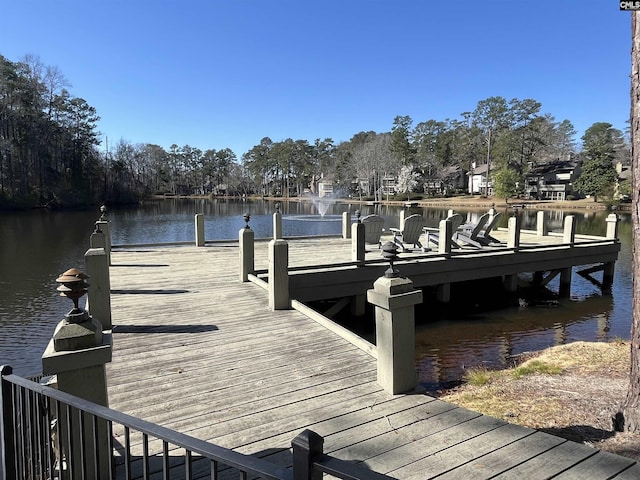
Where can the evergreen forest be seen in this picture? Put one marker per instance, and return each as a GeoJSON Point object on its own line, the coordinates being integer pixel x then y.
{"type": "Point", "coordinates": [52, 154]}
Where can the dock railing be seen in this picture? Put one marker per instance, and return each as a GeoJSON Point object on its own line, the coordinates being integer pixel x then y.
{"type": "Point", "coordinates": [32, 446]}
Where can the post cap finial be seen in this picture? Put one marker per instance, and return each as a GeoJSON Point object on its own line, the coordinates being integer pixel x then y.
{"type": "Point", "coordinates": [390, 253]}
{"type": "Point", "coordinates": [73, 285]}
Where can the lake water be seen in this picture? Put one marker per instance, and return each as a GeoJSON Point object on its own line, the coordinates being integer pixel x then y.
{"type": "Point", "coordinates": [36, 246]}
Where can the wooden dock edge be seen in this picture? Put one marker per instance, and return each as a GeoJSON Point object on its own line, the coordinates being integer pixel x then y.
{"type": "Point", "coordinates": [329, 324]}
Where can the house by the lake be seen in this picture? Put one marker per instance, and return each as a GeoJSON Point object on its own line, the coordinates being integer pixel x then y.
{"type": "Point", "coordinates": [552, 180]}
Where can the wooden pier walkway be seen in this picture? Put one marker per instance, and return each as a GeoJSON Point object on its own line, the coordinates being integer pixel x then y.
{"type": "Point", "coordinates": [199, 352]}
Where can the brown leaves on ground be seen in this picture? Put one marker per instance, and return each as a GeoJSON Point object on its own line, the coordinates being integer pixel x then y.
{"type": "Point", "coordinates": [577, 403]}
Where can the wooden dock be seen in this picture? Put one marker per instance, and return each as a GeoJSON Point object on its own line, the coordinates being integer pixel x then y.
{"type": "Point", "coordinates": [199, 352]}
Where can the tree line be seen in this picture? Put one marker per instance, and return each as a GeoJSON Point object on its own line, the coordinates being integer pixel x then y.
{"type": "Point", "coordinates": [49, 152]}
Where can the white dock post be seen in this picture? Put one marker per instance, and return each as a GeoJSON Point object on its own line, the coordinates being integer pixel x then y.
{"type": "Point", "coordinates": [97, 266]}
{"type": "Point", "coordinates": [445, 233]}
{"type": "Point", "coordinates": [247, 250]}
{"type": "Point", "coordinates": [403, 214]}
{"type": "Point", "coordinates": [357, 240]}
{"type": "Point", "coordinates": [541, 224]}
{"type": "Point", "coordinates": [513, 240]}
{"type": "Point", "coordinates": [612, 226]}
{"type": "Point", "coordinates": [278, 275]}
{"type": "Point", "coordinates": [569, 232]}
{"type": "Point", "coordinates": [346, 225]}
{"type": "Point", "coordinates": [199, 227]}
{"type": "Point", "coordinates": [609, 268]}
{"type": "Point", "coordinates": [77, 355]}
{"type": "Point", "coordinates": [277, 223]}
{"type": "Point", "coordinates": [395, 299]}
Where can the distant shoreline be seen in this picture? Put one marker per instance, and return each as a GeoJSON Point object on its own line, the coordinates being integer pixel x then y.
{"type": "Point", "coordinates": [459, 201]}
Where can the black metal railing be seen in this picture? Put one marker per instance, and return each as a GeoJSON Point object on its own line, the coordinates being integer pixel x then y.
{"type": "Point", "coordinates": [49, 434]}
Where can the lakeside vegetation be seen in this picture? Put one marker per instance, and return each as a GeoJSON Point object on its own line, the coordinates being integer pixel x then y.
{"type": "Point", "coordinates": [52, 154]}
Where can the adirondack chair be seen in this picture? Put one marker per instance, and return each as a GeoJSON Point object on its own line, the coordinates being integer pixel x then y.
{"type": "Point", "coordinates": [469, 232]}
{"type": "Point", "coordinates": [484, 237]}
{"type": "Point", "coordinates": [373, 228]}
{"type": "Point", "coordinates": [410, 234]}
{"type": "Point", "coordinates": [433, 234]}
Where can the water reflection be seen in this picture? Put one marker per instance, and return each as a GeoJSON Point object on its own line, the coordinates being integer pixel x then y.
{"type": "Point", "coordinates": [38, 245]}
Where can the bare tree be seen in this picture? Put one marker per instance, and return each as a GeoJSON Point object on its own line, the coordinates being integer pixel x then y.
{"type": "Point", "coordinates": [628, 418]}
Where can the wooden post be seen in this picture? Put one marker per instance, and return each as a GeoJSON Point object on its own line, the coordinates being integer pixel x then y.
{"type": "Point", "coordinates": [199, 229]}
{"type": "Point", "coordinates": [609, 267]}
{"type": "Point", "coordinates": [247, 253]}
{"type": "Point", "coordinates": [612, 226]}
{"type": "Point", "coordinates": [541, 224]}
{"type": "Point", "coordinates": [346, 225]}
{"type": "Point", "coordinates": [513, 241]}
{"type": "Point", "coordinates": [278, 275]}
{"type": "Point", "coordinates": [357, 305]}
{"type": "Point", "coordinates": [357, 242]}
{"type": "Point", "coordinates": [569, 232]}
{"type": "Point", "coordinates": [103, 226]}
{"type": "Point", "coordinates": [277, 224]}
{"type": "Point", "coordinates": [403, 214]}
{"type": "Point", "coordinates": [77, 355]}
{"type": "Point", "coordinates": [99, 295]}
{"type": "Point", "coordinates": [510, 283]}
{"type": "Point", "coordinates": [443, 293]}
{"type": "Point", "coordinates": [395, 299]}
{"type": "Point", "coordinates": [445, 233]}
{"type": "Point", "coordinates": [307, 447]}
{"type": "Point", "coordinates": [564, 289]}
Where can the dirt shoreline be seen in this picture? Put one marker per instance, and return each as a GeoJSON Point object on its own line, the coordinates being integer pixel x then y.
{"type": "Point", "coordinates": [577, 403]}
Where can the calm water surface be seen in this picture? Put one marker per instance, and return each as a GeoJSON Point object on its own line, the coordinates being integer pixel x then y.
{"type": "Point", "coordinates": [36, 246]}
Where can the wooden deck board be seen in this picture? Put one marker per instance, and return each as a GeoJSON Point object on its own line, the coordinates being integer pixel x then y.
{"type": "Point", "coordinates": [197, 351]}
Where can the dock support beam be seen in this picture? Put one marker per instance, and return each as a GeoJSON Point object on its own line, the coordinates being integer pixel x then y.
{"type": "Point", "coordinates": [395, 299]}
{"type": "Point", "coordinates": [346, 225]}
{"type": "Point", "coordinates": [278, 275]}
{"type": "Point", "coordinates": [564, 289]}
{"type": "Point", "coordinates": [247, 253]}
{"type": "Point", "coordinates": [199, 228]}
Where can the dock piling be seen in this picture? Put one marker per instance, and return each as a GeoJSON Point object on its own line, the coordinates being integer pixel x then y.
{"type": "Point", "coordinates": [346, 225]}
{"type": "Point", "coordinates": [247, 250]}
{"type": "Point", "coordinates": [278, 275]}
{"type": "Point", "coordinates": [199, 228]}
{"type": "Point", "coordinates": [97, 266]}
{"type": "Point", "coordinates": [357, 240]}
{"type": "Point", "coordinates": [394, 299]}
{"type": "Point", "coordinates": [569, 232]}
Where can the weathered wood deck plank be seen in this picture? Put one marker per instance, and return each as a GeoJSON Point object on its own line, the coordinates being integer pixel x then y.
{"type": "Point", "coordinates": [197, 351]}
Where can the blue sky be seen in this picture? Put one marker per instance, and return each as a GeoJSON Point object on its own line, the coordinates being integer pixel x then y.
{"type": "Point", "coordinates": [226, 73]}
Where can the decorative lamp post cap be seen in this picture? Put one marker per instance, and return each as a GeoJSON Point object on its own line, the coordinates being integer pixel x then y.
{"type": "Point", "coordinates": [358, 213]}
{"type": "Point", "coordinates": [73, 285]}
{"type": "Point", "coordinates": [390, 253]}
{"type": "Point", "coordinates": [246, 217]}
{"type": "Point", "coordinates": [103, 212]}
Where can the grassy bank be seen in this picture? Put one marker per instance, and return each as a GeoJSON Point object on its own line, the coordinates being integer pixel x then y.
{"type": "Point", "coordinates": [572, 391]}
